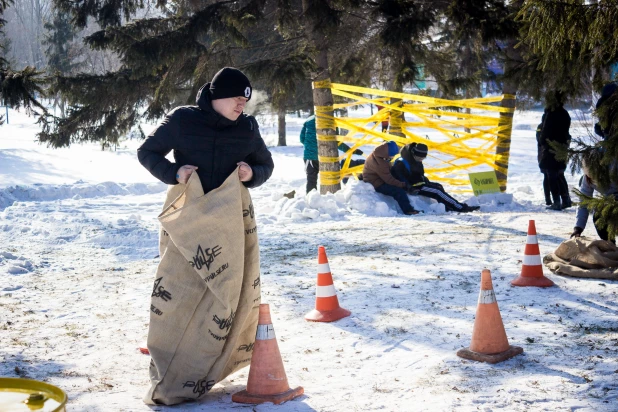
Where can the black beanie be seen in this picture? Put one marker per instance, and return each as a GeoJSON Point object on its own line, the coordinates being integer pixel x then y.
{"type": "Point", "coordinates": [419, 150]}
{"type": "Point", "coordinates": [230, 82]}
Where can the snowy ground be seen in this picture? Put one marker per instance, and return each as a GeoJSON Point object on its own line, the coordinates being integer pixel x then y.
{"type": "Point", "coordinates": [78, 249]}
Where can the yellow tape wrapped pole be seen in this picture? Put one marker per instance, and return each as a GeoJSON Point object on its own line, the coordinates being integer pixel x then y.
{"type": "Point", "coordinates": [396, 116]}
{"type": "Point", "coordinates": [328, 156]}
{"type": "Point", "coordinates": [503, 148]}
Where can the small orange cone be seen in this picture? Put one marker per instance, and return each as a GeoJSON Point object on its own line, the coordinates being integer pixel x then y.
{"type": "Point", "coordinates": [267, 380]}
{"type": "Point", "coordinates": [532, 268]}
{"type": "Point", "coordinates": [489, 342]}
{"type": "Point", "coordinates": [144, 349]}
{"type": "Point", "coordinates": [327, 307]}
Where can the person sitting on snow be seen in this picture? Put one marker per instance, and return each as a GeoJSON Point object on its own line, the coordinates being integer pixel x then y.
{"type": "Point", "coordinates": [409, 169]}
{"type": "Point", "coordinates": [377, 172]}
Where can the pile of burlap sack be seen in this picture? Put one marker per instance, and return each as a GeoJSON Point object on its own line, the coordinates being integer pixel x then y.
{"type": "Point", "coordinates": [584, 258]}
{"type": "Point", "coordinates": [206, 295]}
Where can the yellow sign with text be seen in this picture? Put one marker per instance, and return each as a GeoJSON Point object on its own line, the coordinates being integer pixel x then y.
{"type": "Point", "coordinates": [484, 182]}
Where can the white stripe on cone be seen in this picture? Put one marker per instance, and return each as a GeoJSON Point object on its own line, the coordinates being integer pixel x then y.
{"type": "Point", "coordinates": [325, 291]}
{"type": "Point", "coordinates": [487, 297]}
{"type": "Point", "coordinates": [323, 268]}
{"type": "Point", "coordinates": [532, 260]}
{"type": "Point", "coordinates": [265, 332]}
{"type": "Point", "coordinates": [531, 240]}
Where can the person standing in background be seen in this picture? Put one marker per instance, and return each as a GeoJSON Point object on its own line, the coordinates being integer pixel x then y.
{"type": "Point", "coordinates": [308, 138]}
{"type": "Point", "coordinates": [555, 130]}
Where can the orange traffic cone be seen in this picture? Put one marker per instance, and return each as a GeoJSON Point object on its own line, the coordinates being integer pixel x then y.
{"type": "Point", "coordinates": [489, 341]}
{"type": "Point", "coordinates": [144, 349]}
{"type": "Point", "coordinates": [267, 380]}
{"type": "Point", "coordinates": [327, 307]}
{"type": "Point", "coordinates": [532, 268]}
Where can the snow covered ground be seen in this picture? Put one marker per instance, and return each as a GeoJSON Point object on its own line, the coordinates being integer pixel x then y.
{"type": "Point", "coordinates": [78, 250]}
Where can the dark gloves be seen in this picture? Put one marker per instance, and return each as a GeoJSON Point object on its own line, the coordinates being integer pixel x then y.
{"type": "Point", "coordinates": [411, 190]}
{"type": "Point", "coordinates": [577, 232]}
{"type": "Point", "coordinates": [357, 152]}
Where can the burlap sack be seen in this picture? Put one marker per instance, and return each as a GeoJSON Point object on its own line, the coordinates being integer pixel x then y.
{"type": "Point", "coordinates": [206, 295]}
{"type": "Point", "coordinates": [584, 257]}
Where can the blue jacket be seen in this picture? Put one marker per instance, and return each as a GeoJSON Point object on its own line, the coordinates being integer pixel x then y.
{"type": "Point", "coordinates": [308, 137]}
{"type": "Point", "coordinates": [587, 187]}
{"type": "Point", "coordinates": [309, 140]}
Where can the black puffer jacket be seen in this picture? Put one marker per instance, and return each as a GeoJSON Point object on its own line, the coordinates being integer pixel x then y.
{"type": "Point", "coordinates": [555, 129]}
{"type": "Point", "coordinates": [416, 175]}
{"type": "Point", "coordinates": [201, 137]}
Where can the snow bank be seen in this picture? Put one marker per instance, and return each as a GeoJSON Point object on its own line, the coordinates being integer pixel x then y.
{"type": "Point", "coordinates": [78, 190]}
{"type": "Point", "coordinates": [358, 198]}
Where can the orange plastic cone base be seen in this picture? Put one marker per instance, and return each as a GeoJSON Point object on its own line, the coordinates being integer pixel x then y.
{"type": "Point", "coordinates": [532, 275]}
{"type": "Point", "coordinates": [541, 282]}
{"type": "Point", "coordinates": [489, 342]}
{"type": "Point", "coordinates": [493, 358]}
{"type": "Point", "coordinates": [267, 380]}
{"type": "Point", "coordinates": [246, 397]}
{"type": "Point", "coordinates": [327, 307]}
{"type": "Point", "coordinates": [327, 315]}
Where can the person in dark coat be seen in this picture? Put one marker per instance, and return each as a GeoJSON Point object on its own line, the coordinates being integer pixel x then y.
{"type": "Point", "coordinates": [211, 139]}
{"type": "Point", "coordinates": [384, 122]}
{"type": "Point", "coordinates": [409, 169]}
{"type": "Point", "coordinates": [546, 190]}
{"type": "Point", "coordinates": [555, 129]}
{"type": "Point", "coordinates": [377, 171]}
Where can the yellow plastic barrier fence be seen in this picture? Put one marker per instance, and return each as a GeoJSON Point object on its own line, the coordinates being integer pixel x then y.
{"type": "Point", "coordinates": [459, 141]}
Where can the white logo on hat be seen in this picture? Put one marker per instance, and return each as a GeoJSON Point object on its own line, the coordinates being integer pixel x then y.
{"type": "Point", "coordinates": [248, 91]}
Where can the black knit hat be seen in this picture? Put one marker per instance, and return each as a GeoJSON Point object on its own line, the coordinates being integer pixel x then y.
{"type": "Point", "coordinates": [230, 82]}
{"type": "Point", "coordinates": [419, 150]}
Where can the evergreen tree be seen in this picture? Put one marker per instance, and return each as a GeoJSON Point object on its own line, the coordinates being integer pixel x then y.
{"type": "Point", "coordinates": [278, 62]}
{"type": "Point", "coordinates": [59, 40]}
{"type": "Point", "coordinates": [3, 5]}
{"type": "Point", "coordinates": [572, 41]}
{"type": "Point", "coordinates": [60, 50]}
{"type": "Point", "coordinates": [164, 62]}
{"type": "Point", "coordinates": [19, 88]}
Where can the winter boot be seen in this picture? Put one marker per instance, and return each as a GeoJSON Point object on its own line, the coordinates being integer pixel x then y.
{"type": "Point", "coordinates": [566, 202]}
{"type": "Point", "coordinates": [555, 206]}
{"type": "Point", "coordinates": [467, 208]}
{"type": "Point", "coordinates": [411, 212]}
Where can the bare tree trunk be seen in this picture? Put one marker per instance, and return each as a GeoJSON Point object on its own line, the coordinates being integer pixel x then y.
{"type": "Point", "coordinates": [281, 127]}
{"type": "Point", "coordinates": [328, 155]}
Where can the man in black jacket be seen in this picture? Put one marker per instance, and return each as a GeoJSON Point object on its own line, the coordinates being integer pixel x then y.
{"type": "Point", "coordinates": [555, 131]}
{"type": "Point", "coordinates": [211, 139]}
{"type": "Point", "coordinates": [409, 169]}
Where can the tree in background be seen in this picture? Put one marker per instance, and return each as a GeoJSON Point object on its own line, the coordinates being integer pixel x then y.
{"type": "Point", "coordinates": [575, 43]}
{"type": "Point", "coordinates": [163, 62]}
{"type": "Point", "coordinates": [25, 20]}
{"type": "Point", "coordinates": [278, 62]}
{"type": "Point", "coordinates": [19, 88]}
{"type": "Point", "coordinates": [61, 52]}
